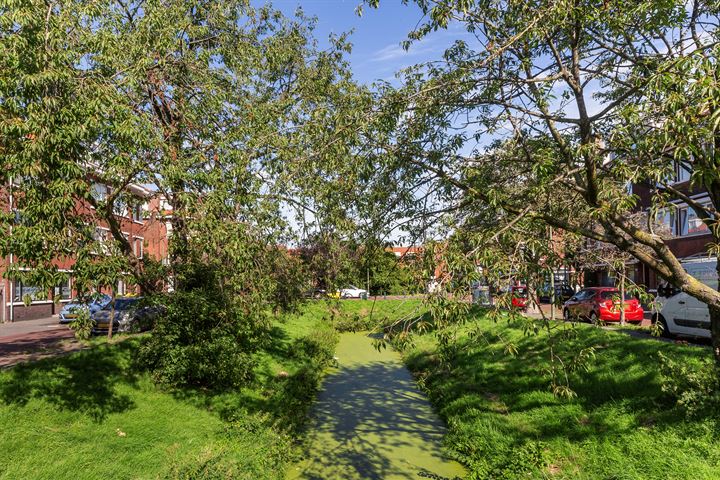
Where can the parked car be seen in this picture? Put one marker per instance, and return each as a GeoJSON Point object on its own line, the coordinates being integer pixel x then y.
{"type": "Point", "coordinates": [352, 292]}
{"type": "Point", "coordinates": [682, 314]}
{"type": "Point", "coordinates": [563, 293]}
{"type": "Point", "coordinates": [316, 293]}
{"type": "Point", "coordinates": [129, 316]}
{"type": "Point", "coordinates": [602, 304]}
{"type": "Point", "coordinates": [70, 311]}
{"type": "Point", "coordinates": [519, 296]}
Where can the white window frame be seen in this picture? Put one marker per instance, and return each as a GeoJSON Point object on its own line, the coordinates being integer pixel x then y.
{"type": "Point", "coordinates": [139, 241]}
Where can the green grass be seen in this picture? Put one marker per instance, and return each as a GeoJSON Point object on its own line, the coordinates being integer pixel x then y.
{"type": "Point", "coordinates": [504, 422]}
{"type": "Point", "coordinates": [94, 415]}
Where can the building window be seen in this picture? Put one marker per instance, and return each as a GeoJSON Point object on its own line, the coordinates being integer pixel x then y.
{"type": "Point", "coordinates": [120, 208]}
{"type": "Point", "coordinates": [23, 291]}
{"type": "Point", "coordinates": [682, 173]}
{"type": "Point", "coordinates": [63, 291]}
{"type": "Point", "coordinates": [102, 236]}
{"type": "Point", "coordinates": [99, 192]}
{"type": "Point", "coordinates": [137, 213]}
{"type": "Point", "coordinates": [139, 247]}
{"type": "Point", "coordinates": [665, 219]}
{"type": "Point", "coordinates": [690, 223]}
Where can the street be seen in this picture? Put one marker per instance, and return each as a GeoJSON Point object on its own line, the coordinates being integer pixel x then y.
{"type": "Point", "coordinates": [33, 340]}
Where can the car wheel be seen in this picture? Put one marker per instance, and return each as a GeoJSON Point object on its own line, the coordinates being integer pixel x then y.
{"type": "Point", "coordinates": [593, 318]}
{"type": "Point", "coordinates": [666, 333]}
{"type": "Point", "coordinates": [566, 315]}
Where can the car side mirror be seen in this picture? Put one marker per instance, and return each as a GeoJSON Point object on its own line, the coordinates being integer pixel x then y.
{"type": "Point", "coordinates": [667, 291]}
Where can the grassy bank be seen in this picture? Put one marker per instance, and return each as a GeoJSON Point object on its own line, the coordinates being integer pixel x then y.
{"type": "Point", "coordinates": [505, 423]}
{"type": "Point", "coordinates": [94, 414]}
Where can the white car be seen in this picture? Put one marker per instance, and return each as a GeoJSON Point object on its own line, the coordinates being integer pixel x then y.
{"type": "Point", "coordinates": [682, 314]}
{"type": "Point", "coordinates": [352, 292]}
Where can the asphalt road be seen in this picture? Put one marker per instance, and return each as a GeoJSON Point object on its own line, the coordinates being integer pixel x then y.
{"type": "Point", "coordinates": [34, 339]}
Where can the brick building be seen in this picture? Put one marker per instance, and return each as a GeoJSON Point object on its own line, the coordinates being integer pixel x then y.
{"type": "Point", "coordinates": [689, 236]}
{"type": "Point", "coordinates": [143, 223]}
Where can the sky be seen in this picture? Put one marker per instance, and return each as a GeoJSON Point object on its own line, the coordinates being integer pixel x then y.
{"type": "Point", "coordinates": [376, 37]}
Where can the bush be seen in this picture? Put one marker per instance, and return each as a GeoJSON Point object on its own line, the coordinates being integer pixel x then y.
{"type": "Point", "coordinates": [82, 325]}
{"type": "Point", "coordinates": [695, 387]}
{"type": "Point", "coordinates": [318, 347]}
{"type": "Point", "coordinates": [203, 340]}
{"type": "Point", "coordinates": [354, 322]}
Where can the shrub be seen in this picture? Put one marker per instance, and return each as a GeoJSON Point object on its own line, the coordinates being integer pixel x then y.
{"type": "Point", "coordinates": [318, 347]}
{"type": "Point", "coordinates": [203, 340]}
{"type": "Point", "coordinates": [82, 325]}
{"type": "Point", "coordinates": [695, 387]}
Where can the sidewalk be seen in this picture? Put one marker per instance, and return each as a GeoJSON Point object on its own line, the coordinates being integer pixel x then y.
{"type": "Point", "coordinates": [34, 339]}
{"type": "Point", "coordinates": [29, 326]}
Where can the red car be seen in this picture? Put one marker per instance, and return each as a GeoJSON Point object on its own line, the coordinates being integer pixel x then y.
{"type": "Point", "coordinates": [602, 303]}
{"type": "Point", "coordinates": [519, 297]}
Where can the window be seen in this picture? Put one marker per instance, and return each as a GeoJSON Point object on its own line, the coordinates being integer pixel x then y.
{"type": "Point", "coordinates": [137, 213]}
{"type": "Point", "coordinates": [120, 208]}
{"type": "Point", "coordinates": [139, 247]}
{"type": "Point", "coordinates": [22, 291]}
{"type": "Point", "coordinates": [665, 219]}
{"type": "Point", "coordinates": [102, 237]}
{"type": "Point", "coordinates": [614, 295]}
{"type": "Point", "coordinates": [99, 192]}
{"type": "Point", "coordinates": [682, 173]}
{"type": "Point", "coordinates": [681, 226]}
{"type": "Point", "coordinates": [690, 223]}
{"type": "Point", "coordinates": [63, 290]}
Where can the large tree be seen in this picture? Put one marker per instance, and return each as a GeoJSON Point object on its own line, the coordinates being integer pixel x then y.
{"type": "Point", "coordinates": [542, 114]}
{"type": "Point", "coordinates": [207, 104]}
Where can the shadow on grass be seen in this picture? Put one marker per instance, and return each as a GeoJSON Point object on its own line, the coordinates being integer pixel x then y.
{"type": "Point", "coordinates": [83, 382]}
{"type": "Point", "coordinates": [282, 400]}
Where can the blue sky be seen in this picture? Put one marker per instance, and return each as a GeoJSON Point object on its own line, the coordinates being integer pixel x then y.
{"type": "Point", "coordinates": [377, 53]}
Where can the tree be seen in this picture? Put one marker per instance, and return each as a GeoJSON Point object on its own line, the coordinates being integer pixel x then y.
{"type": "Point", "coordinates": [567, 103]}
{"type": "Point", "coordinates": [210, 105]}
{"type": "Point", "coordinates": [203, 104]}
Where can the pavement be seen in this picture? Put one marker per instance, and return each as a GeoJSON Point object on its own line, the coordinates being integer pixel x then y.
{"type": "Point", "coordinates": [31, 340]}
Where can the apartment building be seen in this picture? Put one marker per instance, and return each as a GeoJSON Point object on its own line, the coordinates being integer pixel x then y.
{"type": "Point", "coordinates": [688, 236]}
{"type": "Point", "coordinates": [143, 223]}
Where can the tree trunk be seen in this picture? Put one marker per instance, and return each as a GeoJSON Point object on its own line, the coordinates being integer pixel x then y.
{"type": "Point", "coordinates": [622, 298]}
{"type": "Point", "coordinates": [112, 313]}
{"type": "Point", "coordinates": [715, 324]}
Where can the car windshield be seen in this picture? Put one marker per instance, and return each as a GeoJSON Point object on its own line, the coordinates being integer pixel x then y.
{"type": "Point", "coordinates": [519, 292]}
{"type": "Point", "coordinates": [353, 287]}
{"type": "Point", "coordinates": [614, 295]}
{"type": "Point", "coordinates": [122, 304]}
{"type": "Point", "coordinates": [102, 300]}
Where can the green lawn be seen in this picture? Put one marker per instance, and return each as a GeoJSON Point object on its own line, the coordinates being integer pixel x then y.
{"type": "Point", "coordinates": [94, 415]}
{"type": "Point", "coordinates": [505, 423]}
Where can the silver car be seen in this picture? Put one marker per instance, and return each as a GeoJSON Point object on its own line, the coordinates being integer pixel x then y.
{"type": "Point", "coordinates": [70, 311]}
{"type": "Point", "coordinates": [129, 316]}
